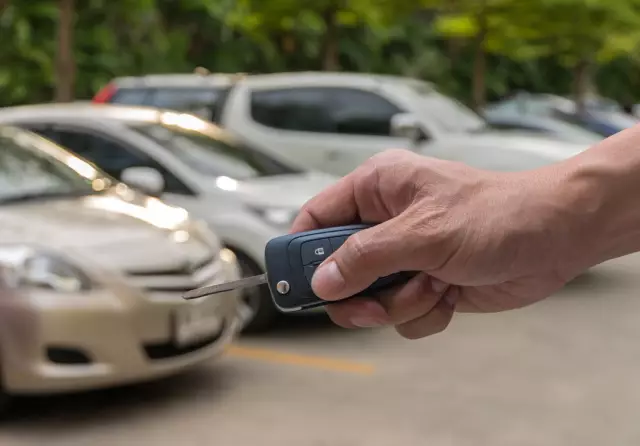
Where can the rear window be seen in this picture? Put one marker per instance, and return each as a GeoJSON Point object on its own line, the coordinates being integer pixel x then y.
{"type": "Point", "coordinates": [131, 96]}
{"type": "Point", "coordinates": [204, 102]}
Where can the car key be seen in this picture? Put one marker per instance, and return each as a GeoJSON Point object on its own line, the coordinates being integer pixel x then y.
{"type": "Point", "coordinates": [291, 261]}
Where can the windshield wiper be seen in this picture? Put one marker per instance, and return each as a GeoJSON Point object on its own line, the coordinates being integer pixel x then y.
{"type": "Point", "coordinates": [45, 195]}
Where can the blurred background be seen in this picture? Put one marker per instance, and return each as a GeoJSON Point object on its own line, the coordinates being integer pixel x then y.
{"type": "Point", "coordinates": [476, 50]}
{"type": "Point", "coordinates": [149, 147]}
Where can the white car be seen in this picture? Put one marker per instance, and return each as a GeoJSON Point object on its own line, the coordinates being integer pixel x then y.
{"type": "Point", "coordinates": [92, 274]}
{"type": "Point", "coordinates": [246, 196]}
{"type": "Point", "coordinates": [334, 121]}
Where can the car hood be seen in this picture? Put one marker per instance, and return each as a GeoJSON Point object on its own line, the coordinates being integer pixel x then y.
{"type": "Point", "coordinates": [501, 152]}
{"type": "Point", "coordinates": [283, 191]}
{"type": "Point", "coordinates": [525, 143]}
{"type": "Point", "coordinates": [544, 147]}
{"type": "Point", "coordinates": [124, 235]}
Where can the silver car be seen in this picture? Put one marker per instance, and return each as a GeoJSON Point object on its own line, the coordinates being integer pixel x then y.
{"type": "Point", "coordinates": [246, 196]}
{"type": "Point", "coordinates": [91, 277]}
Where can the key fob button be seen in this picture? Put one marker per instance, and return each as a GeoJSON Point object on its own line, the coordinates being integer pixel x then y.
{"type": "Point", "coordinates": [308, 272]}
{"type": "Point", "coordinates": [337, 242]}
{"type": "Point", "coordinates": [315, 251]}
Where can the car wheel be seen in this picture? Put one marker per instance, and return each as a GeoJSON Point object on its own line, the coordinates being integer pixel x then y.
{"type": "Point", "coordinates": [5, 400]}
{"type": "Point", "coordinates": [263, 314]}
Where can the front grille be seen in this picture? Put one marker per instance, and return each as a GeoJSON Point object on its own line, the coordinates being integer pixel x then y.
{"type": "Point", "coordinates": [166, 350]}
{"type": "Point", "coordinates": [67, 355]}
{"type": "Point", "coordinates": [195, 266]}
{"type": "Point", "coordinates": [177, 280]}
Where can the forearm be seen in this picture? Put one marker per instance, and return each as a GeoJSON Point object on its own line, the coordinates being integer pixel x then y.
{"type": "Point", "coordinates": [598, 192]}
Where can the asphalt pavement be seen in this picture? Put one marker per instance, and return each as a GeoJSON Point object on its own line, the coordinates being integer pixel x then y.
{"type": "Point", "coordinates": [562, 372]}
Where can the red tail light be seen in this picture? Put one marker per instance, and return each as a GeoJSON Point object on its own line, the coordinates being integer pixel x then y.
{"type": "Point", "coordinates": [105, 94]}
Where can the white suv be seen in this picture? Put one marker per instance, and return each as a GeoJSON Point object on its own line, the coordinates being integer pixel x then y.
{"type": "Point", "coordinates": [334, 121]}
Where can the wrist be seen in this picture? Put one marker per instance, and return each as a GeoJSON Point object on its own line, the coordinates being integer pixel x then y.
{"type": "Point", "coordinates": [574, 206]}
{"type": "Point", "coordinates": [593, 201]}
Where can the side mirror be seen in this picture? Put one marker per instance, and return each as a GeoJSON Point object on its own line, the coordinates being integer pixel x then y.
{"type": "Point", "coordinates": [406, 125]}
{"type": "Point", "coordinates": [146, 179]}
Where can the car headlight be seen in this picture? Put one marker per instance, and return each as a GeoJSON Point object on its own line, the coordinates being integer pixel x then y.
{"type": "Point", "coordinates": [206, 234]}
{"type": "Point", "coordinates": [278, 217]}
{"type": "Point", "coordinates": [22, 266]}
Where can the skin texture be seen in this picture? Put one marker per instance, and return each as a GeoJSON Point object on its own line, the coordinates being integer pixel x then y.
{"type": "Point", "coordinates": [482, 241]}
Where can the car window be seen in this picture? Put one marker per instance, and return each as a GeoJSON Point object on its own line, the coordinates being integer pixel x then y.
{"type": "Point", "coordinates": [205, 102]}
{"type": "Point", "coordinates": [358, 112]}
{"type": "Point", "coordinates": [616, 119]}
{"type": "Point", "coordinates": [110, 156]}
{"type": "Point", "coordinates": [447, 113]}
{"type": "Point", "coordinates": [297, 109]}
{"type": "Point", "coordinates": [324, 110]}
{"type": "Point", "coordinates": [131, 96]}
{"type": "Point", "coordinates": [26, 171]}
{"type": "Point", "coordinates": [207, 153]}
{"type": "Point", "coordinates": [524, 106]}
{"type": "Point", "coordinates": [510, 126]}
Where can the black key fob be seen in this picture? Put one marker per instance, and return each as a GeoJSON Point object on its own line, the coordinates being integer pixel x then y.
{"type": "Point", "coordinates": [292, 259]}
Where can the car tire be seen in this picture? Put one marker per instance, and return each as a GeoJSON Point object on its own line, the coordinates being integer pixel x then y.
{"type": "Point", "coordinates": [5, 401]}
{"type": "Point", "coordinates": [264, 313]}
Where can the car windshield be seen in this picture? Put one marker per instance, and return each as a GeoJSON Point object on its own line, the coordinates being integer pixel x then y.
{"type": "Point", "coordinates": [449, 114]}
{"type": "Point", "coordinates": [209, 152]}
{"type": "Point", "coordinates": [574, 132]}
{"type": "Point", "coordinates": [30, 170]}
{"type": "Point", "coordinates": [569, 130]}
{"type": "Point", "coordinates": [617, 119]}
{"type": "Point", "coordinates": [598, 121]}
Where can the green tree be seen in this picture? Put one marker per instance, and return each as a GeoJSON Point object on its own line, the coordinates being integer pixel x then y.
{"type": "Point", "coordinates": [583, 35]}
{"type": "Point", "coordinates": [27, 30]}
{"type": "Point", "coordinates": [477, 50]}
{"type": "Point", "coordinates": [323, 22]}
{"type": "Point", "coordinates": [65, 61]}
{"type": "Point", "coordinates": [489, 26]}
{"type": "Point", "coordinates": [579, 34]}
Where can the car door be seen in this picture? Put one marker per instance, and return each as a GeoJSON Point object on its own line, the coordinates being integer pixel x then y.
{"type": "Point", "coordinates": [332, 129]}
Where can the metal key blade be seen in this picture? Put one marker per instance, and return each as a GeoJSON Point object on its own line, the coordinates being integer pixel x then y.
{"type": "Point", "coordinates": [228, 286]}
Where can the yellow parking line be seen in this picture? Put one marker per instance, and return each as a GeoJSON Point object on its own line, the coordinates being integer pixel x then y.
{"type": "Point", "coordinates": [317, 362]}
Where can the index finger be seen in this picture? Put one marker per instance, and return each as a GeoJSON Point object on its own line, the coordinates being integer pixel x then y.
{"type": "Point", "coordinates": [334, 206]}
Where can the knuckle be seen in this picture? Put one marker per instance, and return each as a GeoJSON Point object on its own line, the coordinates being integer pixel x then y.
{"type": "Point", "coordinates": [357, 248]}
{"type": "Point", "coordinates": [389, 155]}
{"type": "Point", "coordinates": [396, 152]}
{"type": "Point", "coordinates": [309, 206]}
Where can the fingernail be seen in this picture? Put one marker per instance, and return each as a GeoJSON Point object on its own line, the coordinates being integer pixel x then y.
{"type": "Point", "coordinates": [365, 322]}
{"type": "Point", "coordinates": [438, 285]}
{"type": "Point", "coordinates": [327, 279]}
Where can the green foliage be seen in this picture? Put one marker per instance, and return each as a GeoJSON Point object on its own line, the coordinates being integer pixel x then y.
{"type": "Point", "coordinates": [26, 58]}
{"type": "Point", "coordinates": [571, 30]}
{"type": "Point", "coordinates": [530, 44]}
{"type": "Point", "coordinates": [574, 30]}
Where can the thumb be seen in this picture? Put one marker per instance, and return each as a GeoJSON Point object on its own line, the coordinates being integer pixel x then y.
{"type": "Point", "coordinates": [365, 256]}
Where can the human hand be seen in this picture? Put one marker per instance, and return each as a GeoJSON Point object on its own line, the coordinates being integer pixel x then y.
{"type": "Point", "coordinates": [482, 241]}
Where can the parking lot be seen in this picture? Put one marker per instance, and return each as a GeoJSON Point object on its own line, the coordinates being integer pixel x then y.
{"type": "Point", "coordinates": [561, 372]}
